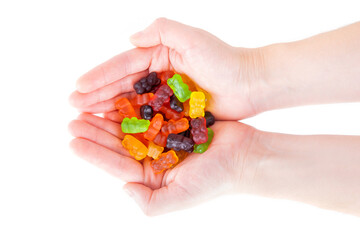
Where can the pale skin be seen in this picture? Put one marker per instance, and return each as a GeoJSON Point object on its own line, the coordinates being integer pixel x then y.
{"type": "Point", "coordinates": [318, 170]}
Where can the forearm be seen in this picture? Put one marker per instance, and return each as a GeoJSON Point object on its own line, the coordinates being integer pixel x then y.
{"type": "Point", "coordinates": [319, 170]}
{"type": "Point", "coordinates": [321, 69]}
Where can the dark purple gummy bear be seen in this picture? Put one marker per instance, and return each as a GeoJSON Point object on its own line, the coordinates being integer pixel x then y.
{"type": "Point", "coordinates": [146, 112]}
{"type": "Point", "coordinates": [152, 79]}
{"type": "Point", "coordinates": [175, 104]}
{"type": "Point", "coordinates": [178, 142]}
{"type": "Point", "coordinates": [210, 119]}
{"type": "Point", "coordinates": [147, 84]}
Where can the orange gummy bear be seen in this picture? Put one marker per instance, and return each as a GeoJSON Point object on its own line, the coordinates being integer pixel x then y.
{"type": "Point", "coordinates": [140, 137]}
{"type": "Point", "coordinates": [154, 127]}
{"type": "Point", "coordinates": [186, 108]}
{"type": "Point", "coordinates": [125, 108]}
{"type": "Point", "coordinates": [175, 126]}
{"type": "Point", "coordinates": [136, 148]}
{"type": "Point", "coordinates": [181, 155]}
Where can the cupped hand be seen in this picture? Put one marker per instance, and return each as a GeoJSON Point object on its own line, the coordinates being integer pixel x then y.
{"type": "Point", "coordinates": [231, 75]}
{"type": "Point", "coordinates": [200, 177]}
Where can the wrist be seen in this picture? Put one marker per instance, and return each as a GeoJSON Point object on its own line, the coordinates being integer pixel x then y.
{"type": "Point", "coordinates": [248, 157]}
{"type": "Point", "coordinates": [263, 74]}
{"type": "Point", "coordinates": [273, 88]}
{"type": "Point", "coordinates": [250, 73]}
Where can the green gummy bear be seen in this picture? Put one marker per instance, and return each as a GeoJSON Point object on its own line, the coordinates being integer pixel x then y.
{"type": "Point", "coordinates": [201, 148]}
{"type": "Point", "coordinates": [180, 89]}
{"type": "Point", "coordinates": [134, 125]}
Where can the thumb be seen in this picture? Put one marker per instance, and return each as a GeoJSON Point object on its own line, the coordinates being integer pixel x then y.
{"type": "Point", "coordinates": [168, 33]}
{"type": "Point", "coordinates": [159, 201]}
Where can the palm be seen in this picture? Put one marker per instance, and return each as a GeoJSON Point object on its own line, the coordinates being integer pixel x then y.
{"type": "Point", "coordinates": [98, 140]}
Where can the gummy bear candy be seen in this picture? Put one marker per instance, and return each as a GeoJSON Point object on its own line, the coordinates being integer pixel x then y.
{"type": "Point", "coordinates": [171, 114]}
{"type": "Point", "coordinates": [125, 108]}
{"type": "Point", "coordinates": [181, 90]}
{"type": "Point", "coordinates": [197, 104]}
{"type": "Point", "coordinates": [164, 76]}
{"type": "Point", "coordinates": [175, 104]}
{"type": "Point", "coordinates": [165, 161]}
{"type": "Point", "coordinates": [189, 82]}
{"type": "Point", "coordinates": [201, 148]}
{"type": "Point", "coordinates": [199, 130]}
{"type": "Point", "coordinates": [136, 148]}
{"type": "Point", "coordinates": [146, 112]}
{"type": "Point", "coordinates": [154, 127]}
{"type": "Point", "coordinates": [161, 96]}
{"type": "Point", "coordinates": [160, 139]}
{"type": "Point", "coordinates": [146, 84]}
{"type": "Point", "coordinates": [175, 126]}
{"type": "Point", "coordinates": [181, 155]}
{"type": "Point", "coordinates": [140, 137]}
{"type": "Point", "coordinates": [186, 108]}
{"type": "Point", "coordinates": [154, 150]}
{"type": "Point", "coordinates": [142, 99]}
{"type": "Point", "coordinates": [180, 122]}
{"type": "Point", "coordinates": [134, 125]}
{"type": "Point", "coordinates": [210, 119]}
{"type": "Point", "coordinates": [207, 95]}
{"type": "Point", "coordinates": [178, 142]}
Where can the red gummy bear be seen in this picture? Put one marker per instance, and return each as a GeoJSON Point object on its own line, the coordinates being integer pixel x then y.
{"type": "Point", "coordinates": [171, 114]}
{"type": "Point", "coordinates": [142, 99]}
{"type": "Point", "coordinates": [162, 95]}
{"type": "Point", "coordinates": [165, 161]}
{"type": "Point", "coordinates": [199, 130]}
{"type": "Point", "coordinates": [160, 139]}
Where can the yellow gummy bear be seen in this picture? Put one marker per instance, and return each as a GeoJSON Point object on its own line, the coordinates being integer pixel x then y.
{"type": "Point", "coordinates": [197, 104]}
{"type": "Point", "coordinates": [154, 150]}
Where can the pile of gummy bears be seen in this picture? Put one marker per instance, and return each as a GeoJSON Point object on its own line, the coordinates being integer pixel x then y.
{"type": "Point", "coordinates": [166, 120]}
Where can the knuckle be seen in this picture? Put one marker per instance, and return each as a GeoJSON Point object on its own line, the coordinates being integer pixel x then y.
{"type": "Point", "coordinates": [160, 22]}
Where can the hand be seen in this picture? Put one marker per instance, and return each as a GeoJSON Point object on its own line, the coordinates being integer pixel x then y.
{"type": "Point", "coordinates": [229, 74]}
{"type": "Point", "coordinates": [198, 178]}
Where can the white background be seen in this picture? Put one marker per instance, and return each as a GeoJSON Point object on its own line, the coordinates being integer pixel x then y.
{"type": "Point", "coordinates": [46, 192]}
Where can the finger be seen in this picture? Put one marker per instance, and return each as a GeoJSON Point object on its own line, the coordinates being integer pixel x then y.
{"type": "Point", "coordinates": [124, 85]}
{"type": "Point", "coordinates": [118, 67]}
{"type": "Point", "coordinates": [107, 125]}
{"type": "Point", "coordinates": [81, 129]}
{"type": "Point", "coordinates": [113, 116]}
{"type": "Point", "coordinates": [116, 164]}
{"type": "Point", "coordinates": [159, 201]}
{"type": "Point", "coordinates": [151, 179]}
{"type": "Point", "coordinates": [106, 106]}
{"type": "Point", "coordinates": [169, 33]}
